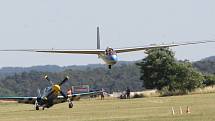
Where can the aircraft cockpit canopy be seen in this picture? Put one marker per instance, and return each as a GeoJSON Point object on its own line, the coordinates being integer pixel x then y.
{"type": "Point", "coordinates": [110, 51]}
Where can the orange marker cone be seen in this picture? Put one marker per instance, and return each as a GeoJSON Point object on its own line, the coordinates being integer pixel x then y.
{"type": "Point", "coordinates": [188, 110]}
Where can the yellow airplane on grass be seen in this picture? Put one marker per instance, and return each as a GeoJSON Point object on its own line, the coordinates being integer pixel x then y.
{"type": "Point", "coordinates": [51, 96]}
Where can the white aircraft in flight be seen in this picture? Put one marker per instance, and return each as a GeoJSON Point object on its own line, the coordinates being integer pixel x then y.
{"type": "Point", "coordinates": [109, 55]}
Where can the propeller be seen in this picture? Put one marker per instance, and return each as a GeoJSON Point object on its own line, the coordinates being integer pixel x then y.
{"type": "Point", "coordinates": [65, 79]}
{"type": "Point", "coordinates": [38, 92]}
{"type": "Point", "coordinates": [38, 97]}
{"type": "Point", "coordinates": [65, 96]}
{"type": "Point", "coordinates": [47, 78]}
{"type": "Point", "coordinates": [56, 87]}
{"type": "Point", "coordinates": [62, 82]}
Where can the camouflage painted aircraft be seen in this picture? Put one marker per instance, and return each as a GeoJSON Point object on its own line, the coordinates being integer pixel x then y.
{"type": "Point", "coordinates": [50, 96]}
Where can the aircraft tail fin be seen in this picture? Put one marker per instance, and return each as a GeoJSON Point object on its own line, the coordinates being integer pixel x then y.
{"type": "Point", "coordinates": [98, 38]}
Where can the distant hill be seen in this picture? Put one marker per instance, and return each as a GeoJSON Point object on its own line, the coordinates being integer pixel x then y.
{"type": "Point", "coordinates": [49, 68]}
{"type": "Point", "coordinates": [206, 65]}
{"type": "Point", "coordinates": [54, 68]}
{"type": "Point", "coordinates": [211, 58]}
{"type": "Point", "coordinates": [46, 68]}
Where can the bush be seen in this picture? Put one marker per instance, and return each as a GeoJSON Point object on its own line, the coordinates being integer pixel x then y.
{"type": "Point", "coordinates": [166, 92]}
{"type": "Point", "coordinates": [138, 95]}
{"type": "Point", "coordinates": [209, 80]}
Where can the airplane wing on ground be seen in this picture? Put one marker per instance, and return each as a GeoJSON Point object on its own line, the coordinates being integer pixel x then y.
{"type": "Point", "coordinates": [28, 100]}
{"type": "Point", "coordinates": [130, 49]}
{"type": "Point", "coordinates": [73, 96]}
{"type": "Point", "coordinates": [96, 51]}
{"type": "Point", "coordinates": [86, 94]}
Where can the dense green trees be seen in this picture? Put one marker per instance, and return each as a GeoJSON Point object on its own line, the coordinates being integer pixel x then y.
{"type": "Point", "coordinates": [209, 79]}
{"type": "Point", "coordinates": [156, 68]}
{"type": "Point", "coordinates": [162, 71]}
{"type": "Point", "coordinates": [184, 78]}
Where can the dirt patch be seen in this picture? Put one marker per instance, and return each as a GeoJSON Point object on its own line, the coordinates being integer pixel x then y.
{"type": "Point", "coordinates": [8, 101]}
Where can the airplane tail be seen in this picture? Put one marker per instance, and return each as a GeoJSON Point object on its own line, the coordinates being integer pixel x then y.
{"type": "Point", "coordinates": [98, 39]}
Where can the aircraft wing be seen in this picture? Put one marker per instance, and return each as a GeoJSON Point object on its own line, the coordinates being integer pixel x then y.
{"type": "Point", "coordinates": [28, 100]}
{"type": "Point", "coordinates": [96, 51]}
{"type": "Point", "coordinates": [74, 97]}
{"type": "Point", "coordinates": [121, 50]}
{"type": "Point", "coordinates": [86, 94]}
{"type": "Point", "coordinates": [81, 94]}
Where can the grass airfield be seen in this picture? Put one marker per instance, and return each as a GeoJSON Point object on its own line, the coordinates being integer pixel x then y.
{"type": "Point", "coordinates": [202, 108]}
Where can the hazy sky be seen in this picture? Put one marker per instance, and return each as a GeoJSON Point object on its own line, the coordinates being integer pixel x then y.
{"type": "Point", "coordinates": [71, 24]}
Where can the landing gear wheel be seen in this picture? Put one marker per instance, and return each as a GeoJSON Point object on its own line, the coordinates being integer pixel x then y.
{"type": "Point", "coordinates": [37, 108]}
{"type": "Point", "coordinates": [70, 105]}
{"type": "Point", "coordinates": [43, 108]}
{"type": "Point", "coordinates": [109, 66]}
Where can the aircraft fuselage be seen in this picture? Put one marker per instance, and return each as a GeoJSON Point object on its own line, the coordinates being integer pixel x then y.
{"type": "Point", "coordinates": [109, 57]}
{"type": "Point", "coordinates": [47, 100]}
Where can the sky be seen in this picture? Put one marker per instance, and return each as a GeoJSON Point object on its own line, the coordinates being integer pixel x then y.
{"type": "Point", "coordinates": [71, 24]}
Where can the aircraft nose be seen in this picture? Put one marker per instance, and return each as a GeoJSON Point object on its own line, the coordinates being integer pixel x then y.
{"type": "Point", "coordinates": [56, 89]}
{"type": "Point", "coordinates": [114, 58]}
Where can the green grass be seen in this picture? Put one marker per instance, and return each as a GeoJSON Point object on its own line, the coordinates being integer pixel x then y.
{"type": "Point", "coordinates": [142, 109]}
